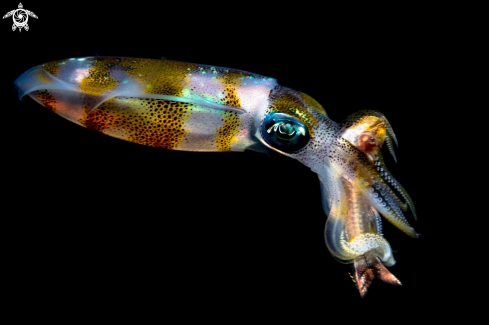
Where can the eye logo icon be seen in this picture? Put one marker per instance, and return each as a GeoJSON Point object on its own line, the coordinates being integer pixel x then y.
{"type": "Point", "coordinates": [20, 17]}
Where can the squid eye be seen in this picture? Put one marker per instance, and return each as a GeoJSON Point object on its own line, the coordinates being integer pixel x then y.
{"type": "Point", "coordinates": [284, 132]}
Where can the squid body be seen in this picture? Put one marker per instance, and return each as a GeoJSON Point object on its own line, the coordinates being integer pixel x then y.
{"type": "Point", "coordinates": [194, 107]}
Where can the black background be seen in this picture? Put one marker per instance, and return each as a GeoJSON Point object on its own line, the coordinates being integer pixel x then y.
{"type": "Point", "coordinates": [93, 221]}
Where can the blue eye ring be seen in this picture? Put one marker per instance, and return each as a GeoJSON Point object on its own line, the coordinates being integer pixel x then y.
{"type": "Point", "coordinates": [284, 132]}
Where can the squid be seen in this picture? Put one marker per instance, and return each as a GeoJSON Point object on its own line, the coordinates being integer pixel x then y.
{"type": "Point", "coordinates": [195, 107]}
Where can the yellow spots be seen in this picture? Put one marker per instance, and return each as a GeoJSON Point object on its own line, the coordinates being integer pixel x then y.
{"type": "Point", "coordinates": [150, 122]}
{"type": "Point", "coordinates": [51, 68]}
{"type": "Point", "coordinates": [227, 134]}
{"type": "Point", "coordinates": [54, 66]}
{"type": "Point", "coordinates": [46, 99]}
{"type": "Point", "coordinates": [290, 105]}
{"type": "Point", "coordinates": [155, 76]}
{"type": "Point", "coordinates": [231, 97]}
{"type": "Point", "coordinates": [232, 78]}
{"type": "Point", "coordinates": [159, 77]}
{"type": "Point", "coordinates": [230, 83]}
{"type": "Point", "coordinates": [313, 104]}
{"type": "Point", "coordinates": [99, 79]}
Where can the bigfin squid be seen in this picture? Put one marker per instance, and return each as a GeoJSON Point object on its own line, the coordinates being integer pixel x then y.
{"type": "Point", "coordinates": [195, 107]}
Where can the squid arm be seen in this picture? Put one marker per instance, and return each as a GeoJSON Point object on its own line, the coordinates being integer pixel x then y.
{"type": "Point", "coordinates": [194, 107]}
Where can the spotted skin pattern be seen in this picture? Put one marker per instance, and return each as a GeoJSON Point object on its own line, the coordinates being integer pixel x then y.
{"type": "Point", "coordinates": [226, 135]}
{"type": "Point", "coordinates": [194, 107]}
{"type": "Point", "coordinates": [47, 100]}
{"type": "Point", "coordinates": [99, 79]}
{"type": "Point", "coordinates": [150, 122]}
{"type": "Point", "coordinates": [53, 67]}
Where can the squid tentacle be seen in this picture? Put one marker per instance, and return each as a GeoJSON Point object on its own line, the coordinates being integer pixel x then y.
{"type": "Point", "coordinates": [378, 130]}
{"type": "Point", "coordinates": [380, 194]}
{"type": "Point", "coordinates": [360, 234]}
{"type": "Point", "coordinates": [392, 181]}
{"type": "Point", "coordinates": [376, 220]}
{"type": "Point", "coordinates": [353, 229]}
{"type": "Point", "coordinates": [379, 172]}
{"type": "Point", "coordinates": [386, 191]}
{"type": "Point", "coordinates": [389, 209]}
{"type": "Point", "coordinates": [390, 146]}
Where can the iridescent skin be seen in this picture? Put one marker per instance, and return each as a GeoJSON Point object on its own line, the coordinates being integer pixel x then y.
{"type": "Point", "coordinates": [193, 107]}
